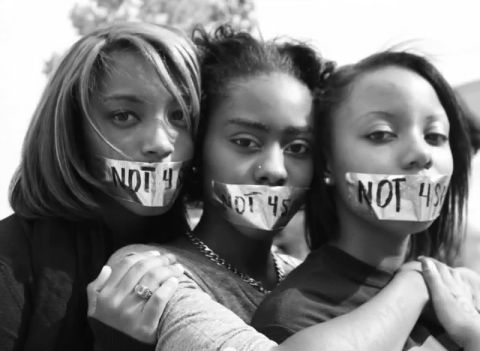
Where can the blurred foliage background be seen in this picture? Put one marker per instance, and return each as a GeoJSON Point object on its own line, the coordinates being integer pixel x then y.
{"type": "Point", "coordinates": [184, 14]}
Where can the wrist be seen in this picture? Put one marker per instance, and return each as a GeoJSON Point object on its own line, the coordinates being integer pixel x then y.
{"type": "Point", "coordinates": [412, 280]}
{"type": "Point", "coordinates": [471, 338]}
{"type": "Point", "coordinates": [472, 342]}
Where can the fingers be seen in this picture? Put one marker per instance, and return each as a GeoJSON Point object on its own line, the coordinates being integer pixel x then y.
{"type": "Point", "coordinates": [434, 280]}
{"type": "Point", "coordinates": [94, 287]}
{"type": "Point", "coordinates": [158, 274]}
{"type": "Point", "coordinates": [152, 271]}
{"type": "Point", "coordinates": [462, 285]}
{"type": "Point", "coordinates": [472, 280]}
{"type": "Point", "coordinates": [448, 279]}
{"type": "Point", "coordinates": [120, 268]}
{"type": "Point", "coordinates": [154, 307]}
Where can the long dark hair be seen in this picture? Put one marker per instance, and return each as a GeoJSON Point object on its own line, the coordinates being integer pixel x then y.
{"type": "Point", "coordinates": [443, 238]}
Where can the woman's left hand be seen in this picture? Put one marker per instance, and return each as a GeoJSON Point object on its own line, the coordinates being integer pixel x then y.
{"type": "Point", "coordinates": [454, 294]}
{"type": "Point", "coordinates": [130, 294]}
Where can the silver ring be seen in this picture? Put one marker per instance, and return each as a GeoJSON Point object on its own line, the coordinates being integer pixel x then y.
{"type": "Point", "coordinates": [143, 292]}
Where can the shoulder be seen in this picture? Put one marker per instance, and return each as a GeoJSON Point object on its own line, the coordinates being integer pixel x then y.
{"type": "Point", "coordinates": [275, 317]}
{"type": "Point", "coordinates": [134, 249]}
{"type": "Point", "coordinates": [193, 320]}
{"type": "Point", "coordinates": [12, 225]}
{"type": "Point", "coordinates": [14, 238]}
{"type": "Point", "coordinates": [181, 253]}
{"type": "Point", "coordinates": [15, 264]}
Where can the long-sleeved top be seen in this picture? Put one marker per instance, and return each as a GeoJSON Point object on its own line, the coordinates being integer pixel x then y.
{"type": "Point", "coordinates": [45, 266]}
{"type": "Point", "coordinates": [212, 307]}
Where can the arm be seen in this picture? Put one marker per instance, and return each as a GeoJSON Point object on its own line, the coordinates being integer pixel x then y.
{"type": "Point", "coordinates": [383, 323]}
{"type": "Point", "coordinates": [15, 275]}
{"type": "Point", "coordinates": [14, 310]}
{"type": "Point", "coordinates": [192, 321]}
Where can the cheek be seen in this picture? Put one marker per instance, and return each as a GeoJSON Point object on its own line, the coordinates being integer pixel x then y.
{"type": "Point", "coordinates": [222, 164]}
{"type": "Point", "coordinates": [301, 175]}
{"type": "Point", "coordinates": [443, 161]}
{"type": "Point", "coordinates": [93, 144]}
{"type": "Point", "coordinates": [183, 146]}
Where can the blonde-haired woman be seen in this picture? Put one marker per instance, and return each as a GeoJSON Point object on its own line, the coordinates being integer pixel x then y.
{"type": "Point", "coordinates": [101, 165]}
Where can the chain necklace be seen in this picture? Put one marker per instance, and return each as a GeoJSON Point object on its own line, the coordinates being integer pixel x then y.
{"type": "Point", "coordinates": [212, 256]}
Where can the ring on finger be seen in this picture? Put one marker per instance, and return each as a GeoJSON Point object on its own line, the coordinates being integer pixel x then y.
{"type": "Point", "coordinates": [143, 291]}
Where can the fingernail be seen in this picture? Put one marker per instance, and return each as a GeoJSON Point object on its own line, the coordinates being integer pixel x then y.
{"type": "Point", "coordinates": [427, 265]}
{"type": "Point", "coordinates": [171, 280]}
{"type": "Point", "coordinates": [154, 252]}
{"type": "Point", "coordinates": [171, 258]}
{"type": "Point", "coordinates": [178, 268]}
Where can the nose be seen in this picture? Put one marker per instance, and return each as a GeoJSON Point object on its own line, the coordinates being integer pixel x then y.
{"type": "Point", "coordinates": [271, 170]}
{"type": "Point", "coordinates": [417, 155]}
{"type": "Point", "coordinates": [157, 143]}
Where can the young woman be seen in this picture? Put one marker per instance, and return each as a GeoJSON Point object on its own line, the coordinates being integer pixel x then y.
{"type": "Point", "coordinates": [254, 156]}
{"type": "Point", "coordinates": [99, 170]}
{"type": "Point", "coordinates": [393, 148]}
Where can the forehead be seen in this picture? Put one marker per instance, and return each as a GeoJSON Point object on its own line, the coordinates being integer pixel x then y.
{"type": "Point", "coordinates": [128, 69]}
{"type": "Point", "coordinates": [273, 98]}
{"type": "Point", "coordinates": [393, 88]}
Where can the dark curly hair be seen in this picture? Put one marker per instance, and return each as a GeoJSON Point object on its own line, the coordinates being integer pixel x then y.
{"type": "Point", "coordinates": [226, 56]}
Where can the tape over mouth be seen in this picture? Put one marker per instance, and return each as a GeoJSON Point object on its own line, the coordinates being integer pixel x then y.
{"type": "Point", "coordinates": [398, 197]}
{"type": "Point", "coordinates": [153, 184]}
{"type": "Point", "coordinates": [258, 206]}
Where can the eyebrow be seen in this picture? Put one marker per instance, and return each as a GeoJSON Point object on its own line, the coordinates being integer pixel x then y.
{"type": "Point", "coordinates": [298, 130]}
{"type": "Point", "coordinates": [124, 97]}
{"type": "Point", "coordinates": [389, 115]}
{"type": "Point", "coordinates": [386, 114]}
{"type": "Point", "coordinates": [248, 123]}
{"type": "Point", "coordinates": [291, 131]}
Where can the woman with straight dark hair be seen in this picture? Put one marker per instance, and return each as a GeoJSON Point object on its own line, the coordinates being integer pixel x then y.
{"type": "Point", "coordinates": [392, 180]}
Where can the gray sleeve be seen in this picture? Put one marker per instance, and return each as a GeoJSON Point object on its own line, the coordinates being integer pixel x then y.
{"type": "Point", "coordinates": [193, 321]}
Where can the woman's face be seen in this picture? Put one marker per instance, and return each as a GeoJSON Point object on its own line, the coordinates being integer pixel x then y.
{"type": "Point", "coordinates": [391, 122]}
{"type": "Point", "coordinates": [135, 113]}
{"type": "Point", "coordinates": [261, 133]}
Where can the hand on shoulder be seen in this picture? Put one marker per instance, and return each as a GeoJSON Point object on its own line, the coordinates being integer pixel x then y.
{"type": "Point", "coordinates": [455, 294]}
{"type": "Point", "coordinates": [131, 292]}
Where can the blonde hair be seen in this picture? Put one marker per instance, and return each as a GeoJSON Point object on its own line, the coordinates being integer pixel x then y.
{"type": "Point", "coordinates": [53, 179]}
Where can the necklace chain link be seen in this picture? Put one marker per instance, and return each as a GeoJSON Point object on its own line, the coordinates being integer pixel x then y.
{"type": "Point", "coordinates": [215, 258]}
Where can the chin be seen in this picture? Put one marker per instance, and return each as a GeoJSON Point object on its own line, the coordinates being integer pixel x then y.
{"type": "Point", "coordinates": [145, 211]}
{"type": "Point", "coordinates": [405, 227]}
{"type": "Point", "coordinates": [258, 234]}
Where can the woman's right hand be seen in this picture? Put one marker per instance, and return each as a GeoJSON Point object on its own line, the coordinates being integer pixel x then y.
{"type": "Point", "coordinates": [453, 302]}
{"type": "Point", "coordinates": [113, 300]}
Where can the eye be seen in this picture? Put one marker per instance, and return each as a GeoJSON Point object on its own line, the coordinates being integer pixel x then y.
{"type": "Point", "coordinates": [298, 148]}
{"type": "Point", "coordinates": [178, 118]}
{"type": "Point", "coordinates": [245, 142]}
{"type": "Point", "coordinates": [124, 119]}
{"type": "Point", "coordinates": [381, 136]}
{"type": "Point", "coordinates": [436, 139]}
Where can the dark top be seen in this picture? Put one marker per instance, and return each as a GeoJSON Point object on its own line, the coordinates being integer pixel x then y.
{"type": "Point", "coordinates": [45, 266]}
{"type": "Point", "coordinates": [328, 284]}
